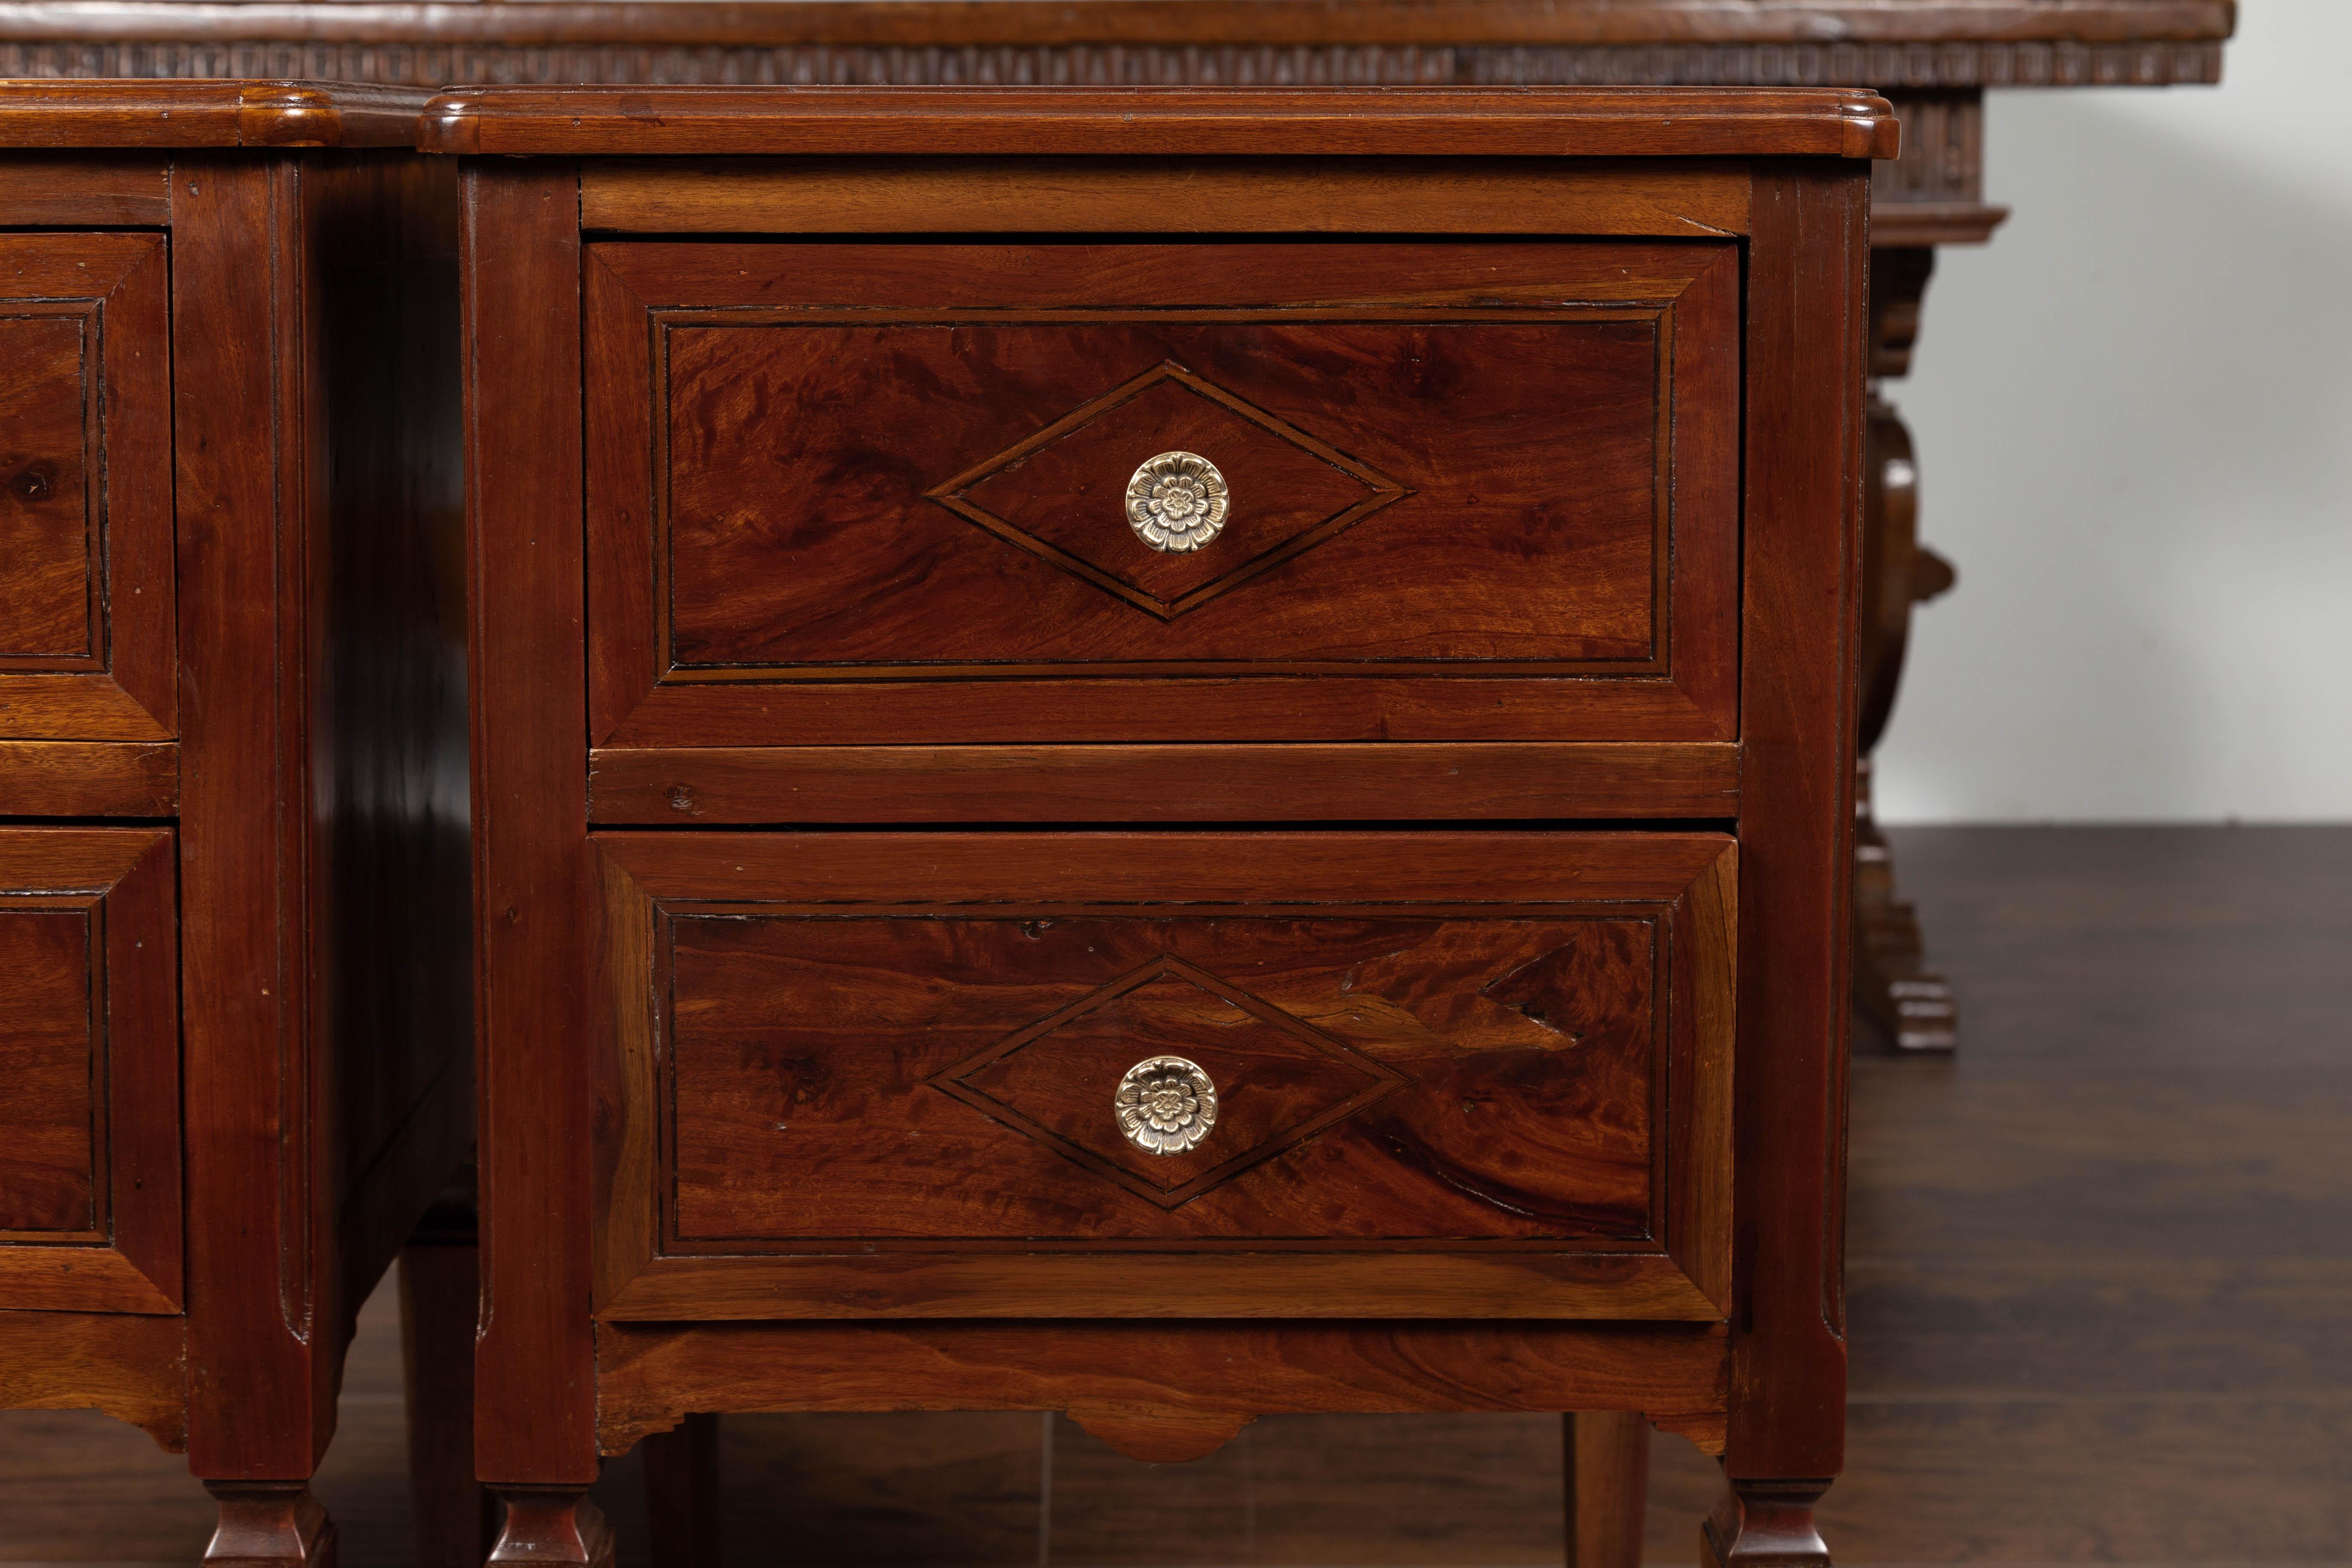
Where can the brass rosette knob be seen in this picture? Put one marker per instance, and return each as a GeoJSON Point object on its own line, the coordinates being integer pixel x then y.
{"type": "Point", "coordinates": [1165, 1105]}
{"type": "Point", "coordinates": [1177, 502]}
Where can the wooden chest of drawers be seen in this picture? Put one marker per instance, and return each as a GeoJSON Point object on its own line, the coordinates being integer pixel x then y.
{"type": "Point", "coordinates": [1165, 755]}
{"type": "Point", "coordinates": [234, 1052]}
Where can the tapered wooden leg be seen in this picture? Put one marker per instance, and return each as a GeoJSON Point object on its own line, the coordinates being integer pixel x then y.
{"type": "Point", "coordinates": [275, 1523]}
{"type": "Point", "coordinates": [551, 1525]}
{"type": "Point", "coordinates": [1765, 1524]}
{"type": "Point", "coordinates": [682, 1493]}
{"type": "Point", "coordinates": [1608, 1485]}
{"type": "Point", "coordinates": [455, 1518]}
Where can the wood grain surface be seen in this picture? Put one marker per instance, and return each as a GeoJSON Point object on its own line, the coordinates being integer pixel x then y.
{"type": "Point", "coordinates": [741, 981]}
{"type": "Point", "coordinates": [1488, 1074]}
{"type": "Point", "coordinates": [89, 1129]}
{"type": "Point", "coordinates": [187, 479]}
{"type": "Point", "coordinates": [131, 1368]}
{"type": "Point", "coordinates": [1566, 508]}
{"type": "Point", "coordinates": [1377, 1079]}
{"type": "Point", "coordinates": [1363, 782]}
{"type": "Point", "coordinates": [86, 599]}
{"type": "Point", "coordinates": [71, 189]}
{"type": "Point", "coordinates": [50, 532]}
{"type": "Point", "coordinates": [1043, 1284]}
{"type": "Point", "coordinates": [535, 1420]}
{"type": "Point", "coordinates": [1156, 1391]}
{"type": "Point", "coordinates": [1557, 555]}
{"type": "Point", "coordinates": [1808, 272]}
{"type": "Point", "coordinates": [322, 1109]}
{"type": "Point", "coordinates": [1180, 121]}
{"type": "Point", "coordinates": [52, 1053]}
{"type": "Point", "coordinates": [1305, 866]}
{"type": "Point", "coordinates": [245, 977]}
{"type": "Point", "coordinates": [198, 113]}
{"type": "Point", "coordinates": [89, 778]}
{"type": "Point", "coordinates": [1158, 196]}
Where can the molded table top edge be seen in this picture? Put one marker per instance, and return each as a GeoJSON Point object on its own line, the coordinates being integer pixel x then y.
{"type": "Point", "coordinates": [1601, 23]}
{"type": "Point", "coordinates": [229, 112]}
{"type": "Point", "coordinates": [1572, 122]}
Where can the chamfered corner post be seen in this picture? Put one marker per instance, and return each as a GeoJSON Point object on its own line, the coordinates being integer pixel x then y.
{"type": "Point", "coordinates": [255, 1311]}
{"type": "Point", "coordinates": [535, 1417]}
{"type": "Point", "coordinates": [1807, 281]}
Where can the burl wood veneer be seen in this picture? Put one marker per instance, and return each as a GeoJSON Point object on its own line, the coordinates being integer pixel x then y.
{"type": "Point", "coordinates": [1166, 755]}
{"type": "Point", "coordinates": [233, 1020]}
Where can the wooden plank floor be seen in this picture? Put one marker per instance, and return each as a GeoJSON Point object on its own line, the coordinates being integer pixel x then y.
{"type": "Point", "coordinates": [2101, 1280]}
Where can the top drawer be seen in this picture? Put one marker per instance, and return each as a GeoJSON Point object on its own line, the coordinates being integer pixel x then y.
{"type": "Point", "coordinates": [86, 631]}
{"type": "Point", "coordinates": [846, 493]}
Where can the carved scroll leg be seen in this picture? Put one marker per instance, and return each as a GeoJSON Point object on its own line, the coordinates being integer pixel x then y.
{"type": "Point", "coordinates": [275, 1523]}
{"type": "Point", "coordinates": [456, 1519]}
{"type": "Point", "coordinates": [682, 1493]}
{"type": "Point", "coordinates": [547, 1526]}
{"type": "Point", "coordinates": [1607, 1485]}
{"type": "Point", "coordinates": [1892, 991]}
{"type": "Point", "coordinates": [1765, 1524]}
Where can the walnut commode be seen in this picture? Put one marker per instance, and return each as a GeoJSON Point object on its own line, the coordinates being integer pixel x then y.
{"type": "Point", "coordinates": [1052, 671]}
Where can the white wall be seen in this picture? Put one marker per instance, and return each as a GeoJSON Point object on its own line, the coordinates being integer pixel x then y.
{"type": "Point", "coordinates": [2134, 414]}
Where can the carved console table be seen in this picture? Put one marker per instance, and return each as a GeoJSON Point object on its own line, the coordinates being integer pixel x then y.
{"type": "Point", "coordinates": [1933, 58]}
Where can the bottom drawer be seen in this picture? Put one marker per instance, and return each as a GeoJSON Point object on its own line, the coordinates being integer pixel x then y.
{"type": "Point", "coordinates": [89, 1070]}
{"type": "Point", "coordinates": [1172, 1073]}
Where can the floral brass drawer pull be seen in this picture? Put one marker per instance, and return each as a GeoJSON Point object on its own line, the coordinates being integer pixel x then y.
{"type": "Point", "coordinates": [1165, 1105]}
{"type": "Point", "coordinates": [1176, 501]}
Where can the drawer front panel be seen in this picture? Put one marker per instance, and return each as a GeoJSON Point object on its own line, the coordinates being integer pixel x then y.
{"type": "Point", "coordinates": [89, 1145]}
{"type": "Point", "coordinates": [1011, 1066]}
{"type": "Point", "coordinates": [54, 609]}
{"type": "Point", "coordinates": [1373, 1079]}
{"type": "Point", "coordinates": [85, 489]}
{"type": "Point", "coordinates": [1505, 461]}
{"type": "Point", "coordinates": [859, 495]}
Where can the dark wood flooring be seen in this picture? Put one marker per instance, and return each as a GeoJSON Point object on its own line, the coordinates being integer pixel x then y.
{"type": "Point", "coordinates": [2101, 1276]}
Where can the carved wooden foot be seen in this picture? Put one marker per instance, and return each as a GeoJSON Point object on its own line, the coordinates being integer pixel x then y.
{"type": "Point", "coordinates": [456, 1519]}
{"type": "Point", "coordinates": [1765, 1524]}
{"type": "Point", "coordinates": [269, 1524]}
{"type": "Point", "coordinates": [1907, 1005]}
{"type": "Point", "coordinates": [552, 1525]}
{"type": "Point", "coordinates": [682, 1493]}
{"type": "Point", "coordinates": [1608, 1485]}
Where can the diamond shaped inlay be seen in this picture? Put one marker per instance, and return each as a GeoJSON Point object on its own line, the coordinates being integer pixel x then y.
{"type": "Point", "coordinates": [1279, 1080]}
{"type": "Point", "coordinates": [1061, 494]}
